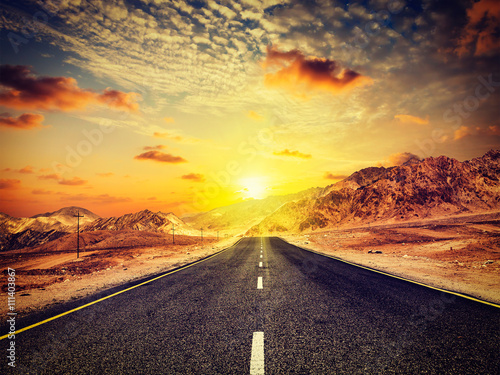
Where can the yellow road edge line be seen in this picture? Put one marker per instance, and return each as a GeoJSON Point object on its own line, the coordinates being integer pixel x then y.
{"type": "Point", "coordinates": [114, 294]}
{"type": "Point", "coordinates": [399, 277]}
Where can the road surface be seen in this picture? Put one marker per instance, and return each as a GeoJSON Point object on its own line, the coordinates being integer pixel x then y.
{"type": "Point", "coordinates": [265, 306]}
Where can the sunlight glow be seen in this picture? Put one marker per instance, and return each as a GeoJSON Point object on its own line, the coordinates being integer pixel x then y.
{"type": "Point", "coordinates": [253, 187]}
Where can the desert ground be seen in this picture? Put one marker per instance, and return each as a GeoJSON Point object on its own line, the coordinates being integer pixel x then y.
{"type": "Point", "coordinates": [52, 274]}
{"type": "Point", "coordinates": [460, 254]}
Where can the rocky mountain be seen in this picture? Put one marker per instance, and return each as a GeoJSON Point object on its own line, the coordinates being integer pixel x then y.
{"type": "Point", "coordinates": [145, 220]}
{"type": "Point", "coordinates": [415, 190]}
{"type": "Point", "coordinates": [16, 233]}
{"type": "Point", "coordinates": [67, 216]}
{"type": "Point", "coordinates": [238, 217]}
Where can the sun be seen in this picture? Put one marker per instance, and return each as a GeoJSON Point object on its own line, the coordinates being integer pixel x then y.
{"type": "Point", "coordinates": [253, 187]}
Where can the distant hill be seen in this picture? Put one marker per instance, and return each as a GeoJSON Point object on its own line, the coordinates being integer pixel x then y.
{"type": "Point", "coordinates": [415, 190]}
{"type": "Point", "coordinates": [145, 220]}
{"type": "Point", "coordinates": [16, 233]}
{"type": "Point", "coordinates": [238, 217]}
{"type": "Point", "coordinates": [67, 215]}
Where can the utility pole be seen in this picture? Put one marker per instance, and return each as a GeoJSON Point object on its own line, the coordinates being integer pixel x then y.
{"type": "Point", "coordinates": [201, 229]}
{"type": "Point", "coordinates": [78, 233]}
{"type": "Point", "coordinates": [173, 233]}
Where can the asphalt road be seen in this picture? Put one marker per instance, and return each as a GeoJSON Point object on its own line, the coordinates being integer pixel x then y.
{"type": "Point", "coordinates": [312, 315]}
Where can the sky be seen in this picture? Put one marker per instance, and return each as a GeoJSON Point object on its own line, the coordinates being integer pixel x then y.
{"type": "Point", "coordinates": [185, 106]}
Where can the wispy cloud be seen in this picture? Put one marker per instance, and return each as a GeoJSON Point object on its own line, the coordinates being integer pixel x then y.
{"type": "Point", "coordinates": [75, 181]}
{"type": "Point", "coordinates": [196, 177]}
{"type": "Point", "coordinates": [412, 119]}
{"type": "Point", "coordinates": [295, 154]}
{"type": "Point", "coordinates": [161, 157]}
{"type": "Point", "coordinates": [331, 176]}
{"type": "Point", "coordinates": [6, 183]}
{"type": "Point", "coordinates": [398, 159]}
{"type": "Point", "coordinates": [254, 116]}
{"type": "Point", "coordinates": [158, 147]}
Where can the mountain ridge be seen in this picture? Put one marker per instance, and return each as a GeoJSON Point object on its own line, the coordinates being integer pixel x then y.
{"type": "Point", "coordinates": [420, 189]}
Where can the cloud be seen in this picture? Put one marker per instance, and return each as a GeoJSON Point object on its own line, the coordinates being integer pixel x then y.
{"type": "Point", "coordinates": [52, 176]}
{"type": "Point", "coordinates": [25, 121]}
{"type": "Point", "coordinates": [41, 192]}
{"type": "Point", "coordinates": [399, 159]}
{"type": "Point", "coordinates": [412, 119]}
{"type": "Point", "coordinates": [465, 131]}
{"type": "Point", "coordinates": [27, 170]}
{"type": "Point", "coordinates": [295, 154]}
{"type": "Point", "coordinates": [108, 174]}
{"type": "Point", "coordinates": [462, 132]}
{"type": "Point", "coordinates": [331, 176]}
{"type": "Point", "coordinates": [75, 181]}
{"type": "Point", "coordinates": [299, 74]}
{"type": "Point", "coordinates": [494, 130]}
{"type": "Point", "coordinates": [160, 157]}
{"type": "Point", "coordinates": [254, 116]}
{"type": "Point", "coordinates": [6, 183]}
{"type": "Point", "coordinates": [22, 90]}
{"type": "Point", "coordinates": [149, 148]}
{"type": "Point", "coordinates": [175, 138]}
{"type": "Point", "coordinates": [194, 177]}
{"type": "Point", "coordinates": [169, 120]}
{"type": "Point", "coordinates": [481, 34]}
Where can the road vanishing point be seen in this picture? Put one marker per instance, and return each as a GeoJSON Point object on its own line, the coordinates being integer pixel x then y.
{"type": "Point", "coordinates": [262, 306]}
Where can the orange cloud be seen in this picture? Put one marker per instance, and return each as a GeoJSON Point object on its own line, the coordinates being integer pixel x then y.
{"type": "Point", "coordinates": [254, 116]}
{"type": "Point", "coordinates": [176, 138]}
{"type": "Point", "coordinates": [461, 132]}
{"type": "Point", "coordinates": [194, 177]}
{"type": "Point", "coordinates": [295, 154]}
{"type": "Point", "coordinates": [160, 157]}
{"type": "Point", "coordinates": [41, 192]}
{"type": "Point", "coordinates": [494, 130]}
{"type": "Point", "coordinates": [28, 169]}
{"type": "Point", "coordinates": [22, 90]}
{"type": "Point", "coordinates": [52, 176]}
{"type": "Point", "coordinates": [25, 121]}
{"type": "Point", "coordinates": [149, 148]}
{"type": "Point", "coordinates": [331, 176]}
{"type": "Point", "coordinates": [298, 73]}
{"type": "Point", "coordinates": [465, 131]}
{"type": "Point", "coordinates": [412, 119]}
{"type": "Point", "coordinates": [9, 183]}
{"type": "Point", "coordinates": [399, 159]}
{"type": "Point", "coordinates": [169, 120]}
{"type": "Point", "coordinates": [480, 36]}
{"type": "Point", "coordinates": [75, 181]}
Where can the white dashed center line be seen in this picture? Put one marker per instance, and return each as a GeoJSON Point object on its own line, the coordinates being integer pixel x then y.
{"type": "Point", "coordinates": [260, 264]}
{"type": "Point", "coordinates": [259, 283]}
{"type": "Point", "coordinates": [261, 255]}
{"type": "Point", "coordinates": [257, 359]}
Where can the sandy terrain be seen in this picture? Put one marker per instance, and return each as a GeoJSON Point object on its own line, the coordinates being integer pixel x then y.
{"type": "Point", "coordinates": [461, 255]}
{"type": "Point", "coordinates": [45, 277]}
